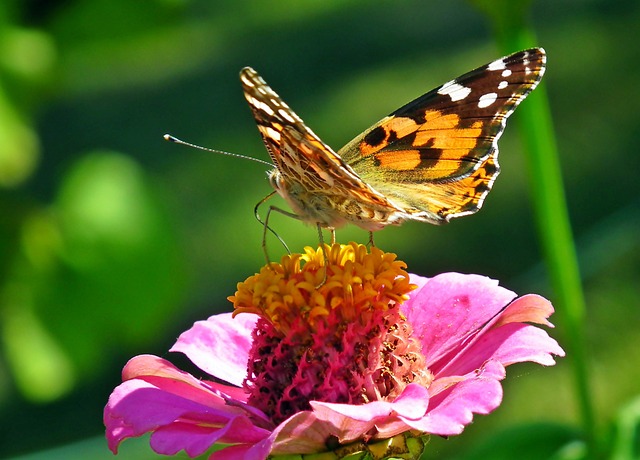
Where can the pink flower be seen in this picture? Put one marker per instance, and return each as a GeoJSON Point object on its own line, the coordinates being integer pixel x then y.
{"type": "Point", "coordinates": [453, 338]}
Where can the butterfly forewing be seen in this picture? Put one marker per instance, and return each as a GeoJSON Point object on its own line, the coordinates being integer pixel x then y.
{"type": "Point", "coordinates": [446, 136]}
{"type": "Point", "coordinates": [293, 147]}
{"type": "Point", "coordinates": [319, 186]}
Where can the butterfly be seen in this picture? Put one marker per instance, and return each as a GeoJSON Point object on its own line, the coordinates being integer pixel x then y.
{"type": "Point", "coordinates": [432, 160]}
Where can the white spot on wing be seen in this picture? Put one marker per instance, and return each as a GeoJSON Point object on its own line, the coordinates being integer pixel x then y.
{"type": "Point", "coordinates": [454, 90]}
{"type": "Point", "coordinates": [286, 115]}
{"type": "Point", "coordinates": [503, 84]}
{"type": "Point", "coordinates": [486, 100]}
{"type": "Point", "coordinates": [506, 73]}
{"type": "Point", "coordinates": [496, 65]}
{"type": "Point", "coordinates": [261, 106]}
{"type": "Point", "coordinates": [270, 133]}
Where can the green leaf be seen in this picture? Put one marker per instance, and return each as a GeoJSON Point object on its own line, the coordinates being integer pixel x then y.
{"type": "Point", "coordinates": [626, 440]}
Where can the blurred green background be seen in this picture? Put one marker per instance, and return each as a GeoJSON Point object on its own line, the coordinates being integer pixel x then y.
{"type": "Point", "coordinates": [113, 241]}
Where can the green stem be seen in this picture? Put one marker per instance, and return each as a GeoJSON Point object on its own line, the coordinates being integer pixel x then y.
{"type": "Point", "coordinates": [552, 218]}
{"type": "Point", "coordinates": [554, 232]}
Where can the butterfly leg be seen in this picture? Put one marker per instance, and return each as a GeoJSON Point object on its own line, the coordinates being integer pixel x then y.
{"type": "Point", "coordinates": [265, 225]}
{"type": "Point", "coordinates": [332, 232]}
{"type": "Point", "coordinates": [371, 244]}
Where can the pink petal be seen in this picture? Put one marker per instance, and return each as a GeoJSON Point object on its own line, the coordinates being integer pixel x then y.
{"type": "Point", "coordinates": [509, 344]}
{"type": "Point", "coordinates": [153, 366]}
{"type": "Point", "coordinates": [411, 405]}
{"type": "Point", "coordinates": [418, 280]}
{"type": "Point", "coordinates": [239, 452]}
{"type": "Point", "coordinates": [195, 440]}
{"type": "Point", "coordinates": [146, 366]}
{"type": "Point", "coordinates": [350, 422]}
{"type": "Point", "coordinates": [137, 407]}
{"type": "Point", "coordinates": [449, 308]}
{"type": "Point", "coordinates": [220, 345]}
{"type": "Point", "coordinates": [163, 397]}
{"type": "Point", "coordinates": [530, 308]}
{"type": "Point", "coordinates": [507, 340]}
{"type": "Point", "coordinates": [452, 409]}
{"type": "Point", "coordinates": [301, 433]}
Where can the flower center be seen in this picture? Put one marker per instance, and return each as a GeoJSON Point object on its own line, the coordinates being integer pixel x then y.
{"type": "Point", "coordinates": [344, 340]}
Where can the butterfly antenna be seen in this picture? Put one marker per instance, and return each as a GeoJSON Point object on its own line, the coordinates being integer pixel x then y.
{"type": "Point", "coordinates": [175, 140]}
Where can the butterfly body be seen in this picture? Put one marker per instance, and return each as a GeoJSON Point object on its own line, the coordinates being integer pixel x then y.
{"type": "Point", "coordinates": [330, 209]}
{"type": "Point", "coordinates": [432, 160]}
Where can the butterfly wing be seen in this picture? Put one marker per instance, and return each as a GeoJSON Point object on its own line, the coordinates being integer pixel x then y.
{"type": "Point", "coordinates": [319, 186]}
{"type": "Point", "coordinates": [436, 158]}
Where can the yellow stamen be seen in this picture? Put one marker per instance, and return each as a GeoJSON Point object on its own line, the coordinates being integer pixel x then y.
{"type": "Point", "coordinates": [357, 281]}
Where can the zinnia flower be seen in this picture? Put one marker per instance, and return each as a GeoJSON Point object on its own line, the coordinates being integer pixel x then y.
{"type": "Point", "coordinates": [318, 361]}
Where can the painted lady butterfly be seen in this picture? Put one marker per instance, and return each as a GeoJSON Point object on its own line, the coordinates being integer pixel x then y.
{"type": "Point", "coordinates": [432, 160]}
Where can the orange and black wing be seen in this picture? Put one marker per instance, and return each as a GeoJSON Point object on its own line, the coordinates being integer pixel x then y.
{"type": "Point", "coordinates": [436, 158]}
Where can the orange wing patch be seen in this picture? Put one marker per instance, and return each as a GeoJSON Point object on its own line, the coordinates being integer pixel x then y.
{"type": "Point", "coordinates": [439, 202]}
